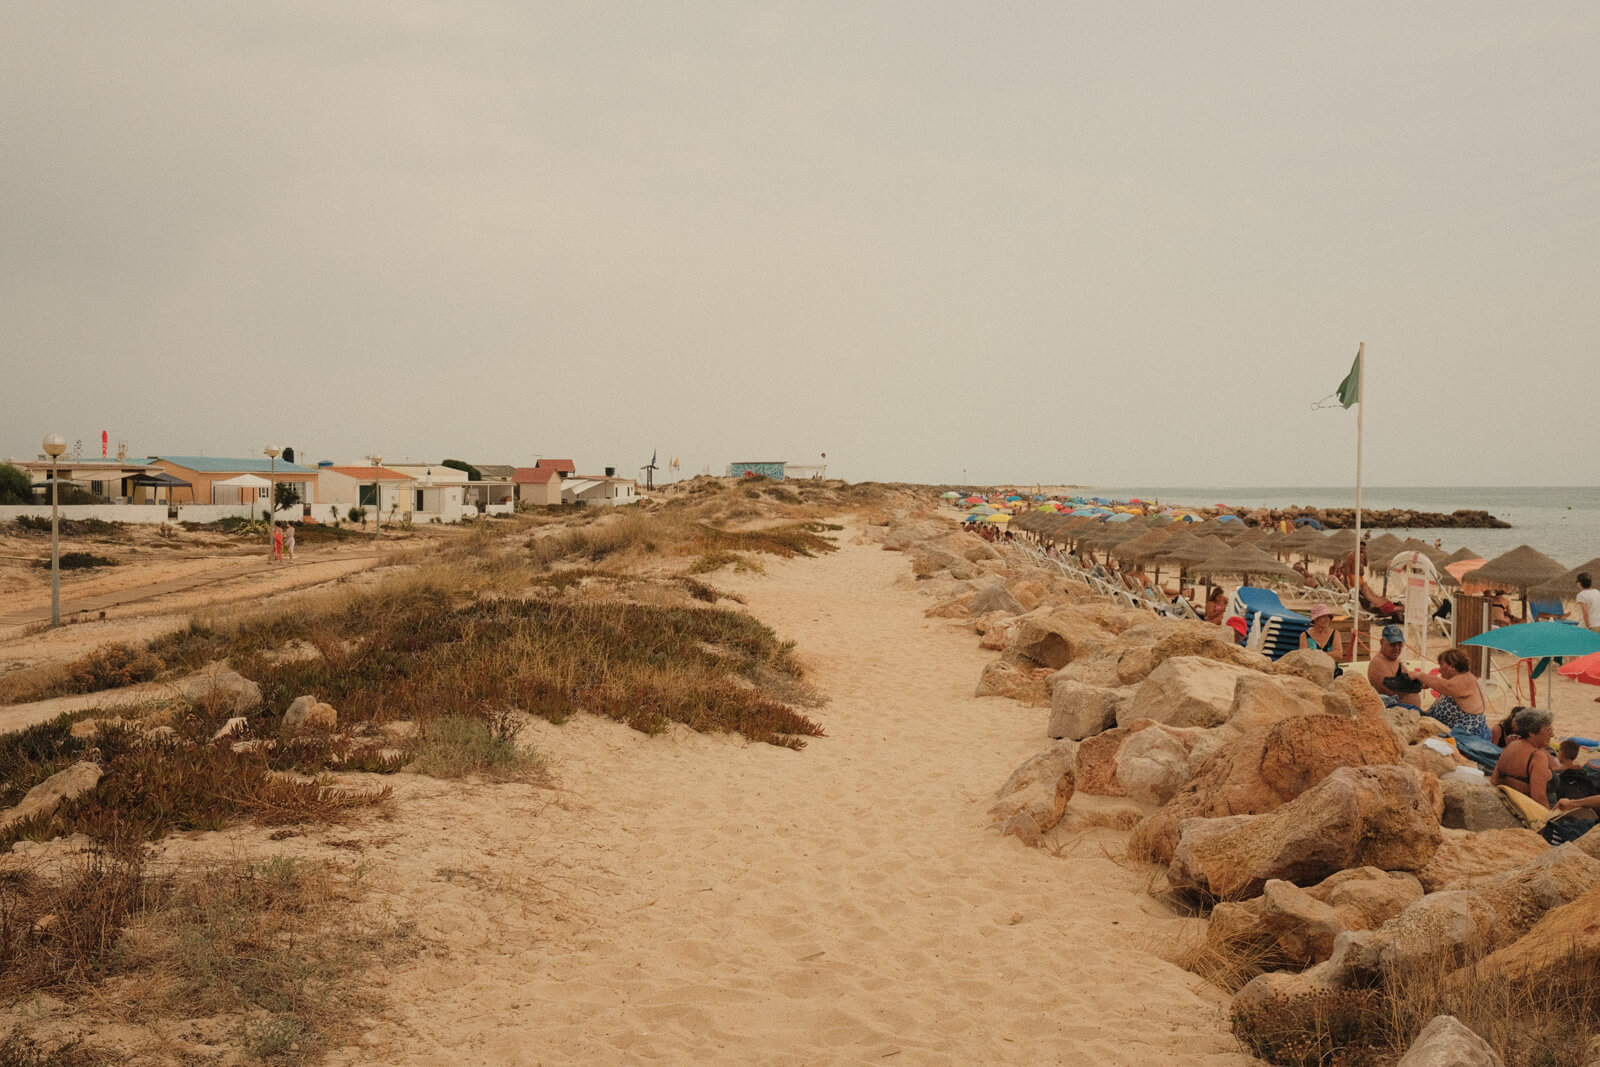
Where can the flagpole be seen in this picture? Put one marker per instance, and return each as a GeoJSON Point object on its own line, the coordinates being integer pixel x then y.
{"type": "Point", "coordinates": [1360, 567]}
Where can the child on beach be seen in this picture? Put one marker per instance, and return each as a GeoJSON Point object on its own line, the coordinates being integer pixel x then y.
{"type": "Point", "coordinates": [277, 543]}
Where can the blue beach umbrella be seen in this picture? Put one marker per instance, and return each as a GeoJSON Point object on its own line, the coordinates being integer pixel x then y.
{"type": "Point", "coordinates": [1229, 518]}
{"type": "Point", "coordinates": [1120, 517]}
{"type": "Point", "coordinates": [1306, 520]}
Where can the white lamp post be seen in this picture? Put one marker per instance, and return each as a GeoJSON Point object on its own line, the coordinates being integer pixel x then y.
{"type": "Point", "coordinates": [54, 445]}
{"type": "Point", "coordinates": [272, 495]}
{"type": "Point", "coordinates": [377, 495]}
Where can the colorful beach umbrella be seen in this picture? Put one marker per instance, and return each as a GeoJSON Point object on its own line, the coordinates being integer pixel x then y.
{"type": "Point", "coordinates": [1584, 669]}
{"type": "Point", "coordinates": [1537, 640]}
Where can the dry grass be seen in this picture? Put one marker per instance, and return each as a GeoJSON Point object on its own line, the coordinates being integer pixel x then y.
{"type": "Point", "coordinates": [1543, 1023]}
{"type": "Point", "coordinates": [463, 746]}
{"type": "Point", "coordinates": [280, 944]}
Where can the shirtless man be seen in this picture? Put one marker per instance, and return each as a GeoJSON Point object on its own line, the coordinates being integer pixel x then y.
{"type": "Point", "coordinates": [1460, 705]}
{"type": "Point", "coordinates": [1386, 663]}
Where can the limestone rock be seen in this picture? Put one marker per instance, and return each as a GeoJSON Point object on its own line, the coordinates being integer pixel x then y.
{"type": "Point", "coordinates": [1382, 816]}
{"type": "Point", "coordinates": [1566, 937]}
{"type": "Point", "coordinates": [1001, 679]}
{"type": "Point", "coordinates": [296, 715]}
{"type": "Point", "coordinates": [1095, 766]}
{"type": "Point", "coordinates": [90, 729]}
{"type": "Point", "coordinates": [1261, 770]}
{"type": "Point", "coordinates": [1446, 1042]}
{"type": "Point", "coordinates": [1263, 699]}
{"type": "Point", "coordinates": [229, 690]}
{"type": "Point", "coordinates": [1078, 710]}
{"type": "Point", "coordinates": [321, 717]}
{"type": "Point", "coordinates": [1041, 789]}
{"type": "Point", "coordinates": [993, 597]}
{"type": "Point", "coordinates": [1428, 726]}
{"type": "Point", "coordinates": [954, 608]}
{"type": "Point", "coordinates": [1302, 926]}
{"type": "Point", "coordinates": [48, 795]}
{"type": "Point", "coordinates": [1054, 639]}
{"type": "Point", "coordinates": [1185, 691]}
{"type": "Point", "coordinates": [930, 560]}
{"type": "Point", "coordinates": [1030, 594]}
{"type": "Point", "coordinates": [1365, 897]}
{"type": "Point", "coordinates": [1465, 859]}
{"type": "Point", "coordinates": [1153, 763]}
{"type": "Point", "coordinates": [1471, 803]}
{"type": "Point", "coordinates": [234, 725]}
{"type": "Point", "coordinates": [1424, 757]}
{"type": "Point", "coordinates": [1312, 664]}
{"type": "Point", "coordinates": [976, 550]}
{"type": "Point", "coordinates": [902, 535]}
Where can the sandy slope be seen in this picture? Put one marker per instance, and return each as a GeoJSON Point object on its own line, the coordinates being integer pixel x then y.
{"type": "Point", "coordinates": [688, 899]}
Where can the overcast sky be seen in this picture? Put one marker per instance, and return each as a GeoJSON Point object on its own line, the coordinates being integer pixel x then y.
{"type": "Point", "coordinates": [1111, 243]}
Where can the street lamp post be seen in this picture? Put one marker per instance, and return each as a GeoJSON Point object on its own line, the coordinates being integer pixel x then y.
{"type": "Point", "coordinates": [272, 495]}
{"type": "Point", "coordinates": [377, 496]}
{"type": "Point", "coordinates": [54, 445]}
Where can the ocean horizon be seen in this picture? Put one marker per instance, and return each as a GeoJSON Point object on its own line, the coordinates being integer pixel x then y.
{"type": "Point", "coordinates": [1563, 522]}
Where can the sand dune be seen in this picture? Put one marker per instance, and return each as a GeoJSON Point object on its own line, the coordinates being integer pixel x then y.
{"type": "Point", "coordinates": [698, 899]}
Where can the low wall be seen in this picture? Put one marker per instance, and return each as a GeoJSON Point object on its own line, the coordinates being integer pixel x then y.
{"type": "Point", "coordinates": [143, 514]}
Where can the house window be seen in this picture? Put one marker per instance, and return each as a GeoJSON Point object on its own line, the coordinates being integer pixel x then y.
{"type": "Point", "coordinates": [368, 496]}
{"type": "Point", "coordinates": [419, 506]}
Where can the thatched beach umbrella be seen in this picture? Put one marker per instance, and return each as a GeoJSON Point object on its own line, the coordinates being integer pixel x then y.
{"type": "Point", "coordinates": [1382, 547]}
{"type": "Point", "coordinates": [1246, 561]}
{"type": "Point", "coordinates": [1336, 545]}
{"type": "Point", "coordinates": [1253, 535]}
{"type": "Point", "coordinates": [1141, 549]}
{"type": "Point", "coordinates": [1565, 586]}
{"type": "Point", "coordinates": [1460, 554]}
{"type": "Point", "coordinates": [1198, 551]}
{"type": "Point", "coordinates": [1520, 569]}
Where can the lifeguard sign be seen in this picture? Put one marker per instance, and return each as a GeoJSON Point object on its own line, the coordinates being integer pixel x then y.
{"type": "Point", "coordinates": [1418, 579]}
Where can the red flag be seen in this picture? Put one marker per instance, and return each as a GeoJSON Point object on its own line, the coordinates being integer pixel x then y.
{"type": "Point", "coordinates": [104, 441]}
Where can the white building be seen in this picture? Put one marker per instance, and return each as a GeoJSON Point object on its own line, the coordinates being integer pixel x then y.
{"type": "Point", "coordinates": [343, 488]}
{"type": "Point", "coordinates": [601, 490]}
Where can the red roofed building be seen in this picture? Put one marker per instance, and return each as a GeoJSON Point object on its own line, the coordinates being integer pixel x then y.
{"type": "Point", "coordinates": [344, 487]}
{"type": "Point", "coordinates": [562, 467]}
{"type": "Point", "coordinates": [538, 485]}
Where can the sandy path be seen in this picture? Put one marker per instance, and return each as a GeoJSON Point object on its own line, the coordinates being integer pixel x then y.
{"type": "Point", "coordinates": [688, 899]}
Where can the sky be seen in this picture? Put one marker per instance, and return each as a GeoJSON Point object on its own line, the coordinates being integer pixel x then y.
{"type": "Point", "coordinates": [1094, 243]}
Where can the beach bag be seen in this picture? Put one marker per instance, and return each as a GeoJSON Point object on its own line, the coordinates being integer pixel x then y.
{"type": "Point", "coordinates": [1574, 784]}
{"type": "Point", "coordinates": [1568, 826]}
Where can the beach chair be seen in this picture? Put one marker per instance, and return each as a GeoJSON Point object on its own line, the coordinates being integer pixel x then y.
{"type": "Point", "coordinates": [1549, 611]}
{"type": "Point", "coordinates": [1280, 627]}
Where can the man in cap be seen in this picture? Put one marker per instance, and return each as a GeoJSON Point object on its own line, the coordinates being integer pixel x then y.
{"type": "Point", "coordinates": [1386, 664]}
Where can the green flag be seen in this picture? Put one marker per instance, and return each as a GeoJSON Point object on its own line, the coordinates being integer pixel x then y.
{"type": "Point", "coordinates": [1350, 388]}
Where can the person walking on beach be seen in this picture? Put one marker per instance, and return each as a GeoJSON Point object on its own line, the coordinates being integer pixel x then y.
{"type": "Point", "coordinates": [277, 543]}
{"type": "Point", "coordinates": [1460, 705]}
{"type": "Point", "coordinates": [1588, 603]}
{"type": "Point", "coordinates": [288, 541]}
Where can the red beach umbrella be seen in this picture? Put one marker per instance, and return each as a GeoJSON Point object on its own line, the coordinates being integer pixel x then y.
{"type": "Point", "coordinates": [1583, 669]}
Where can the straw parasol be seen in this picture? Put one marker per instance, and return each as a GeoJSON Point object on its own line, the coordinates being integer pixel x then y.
{"type": "Point", "coordinates": [1566, 585]}
{"type": "Point", "coordinates": [1253, 535]}
{"type": "Point", "coordinates": [1247, 561]}
{"type": "Point", "coordinates": [1520, 569]}
{"type": "Point", "coordinates": [1336, 545]}
{"type": "Point", "coordinates": [1197, 551]}
{"type": "Point", "coordinates": [1143, 548]}
{"type": "Point", "coordinates": [1460, 554]}
{"type": "Point", "coordinates": [1382, 547]}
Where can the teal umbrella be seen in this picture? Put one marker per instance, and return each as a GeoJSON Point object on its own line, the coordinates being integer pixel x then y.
{"type": "Point", "coordinates": [1543, 641]}
{"type": "Point", "coordinates": [1537, 640]}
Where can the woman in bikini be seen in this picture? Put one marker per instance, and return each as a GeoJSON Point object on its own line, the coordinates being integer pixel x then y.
{"type": "Point", "coordinates": [1321, 636]}
{"type": "Point", "coordinates": [1525, 763]}
{"type": "Point", "coordinates": [1461, 703]}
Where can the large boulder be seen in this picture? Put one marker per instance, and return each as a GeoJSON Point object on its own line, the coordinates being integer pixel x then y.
{"type": "Point", "coordinates": [48, 795]}
{"type": "Point", "coordinates": [976, 549]}
{"type": "Point", "coordinates": [1185, 691]}
{"type": "Point", "coordinates": [1442, 929]}
{"type": "Point", "coordinates": [954, 608]}
{"type": "Point", "coordinates": [993, 597]}
{"type": "Point", "coordinates": [1466, 859]}
{"type": "Point", "coordinates": [1447, 1042]}
{"type": "Point", "coordinates": [905, 533]}
{"type": "Point", "coordinates": [1054, 639]}
{"type": "Point", "coordinates": [1034, 799]}
{"type": "Point", "coordinates": [1192, 640]}
{"type": "Point", "coordinates": [1263, 699]}
{"type": "Point", "coordinates": [1095, 766]}
{"type": "Point", "coordinates": [1471, 803]}
{"type": "Point", "coordinates": [1078, 710]}
{"type": "Point", "coordinates": [1380, 816]}
{"type": "Point", "coordinates": [1563, 943]}
{"type": "Point", "coordinates": [1312, 664]}
{"type": "Point", "coordinates": [225, 690]}
{"type": "Point", "coordinates": [1154, 760]}
{"type": "Point", "coordinates": [928, 560]}
{"type": "Point", "coordinates": [1265, 768]}
{"type": "Point", "coordinates": [1002, 679]}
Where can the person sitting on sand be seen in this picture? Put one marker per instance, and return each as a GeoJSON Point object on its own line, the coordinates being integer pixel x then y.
{"type": "Point", "coordinates": [1385, 662]}
{"type": "Point", "coordinates": [1138, 580]}
{"type": "Point", "coordinates": [1217, 606]}
{"type": "Point", "coordinates": [1525, 763]}
{"type": "Point", "coordinates": [1461, 703]}
{"type": "Point", "coordinates": [1320, 635]}
{"type": "Point", "coordinates": [1567, 756]}
{"type": "Point", "coordinates": [1240, 628]}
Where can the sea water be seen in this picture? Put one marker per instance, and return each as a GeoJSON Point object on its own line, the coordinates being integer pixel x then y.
{"type": "Point", "coordinates": [1563, 522]}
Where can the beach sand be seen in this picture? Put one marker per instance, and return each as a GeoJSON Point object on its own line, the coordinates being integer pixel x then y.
{"type": "Point", "coordinates": [699, 899]}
